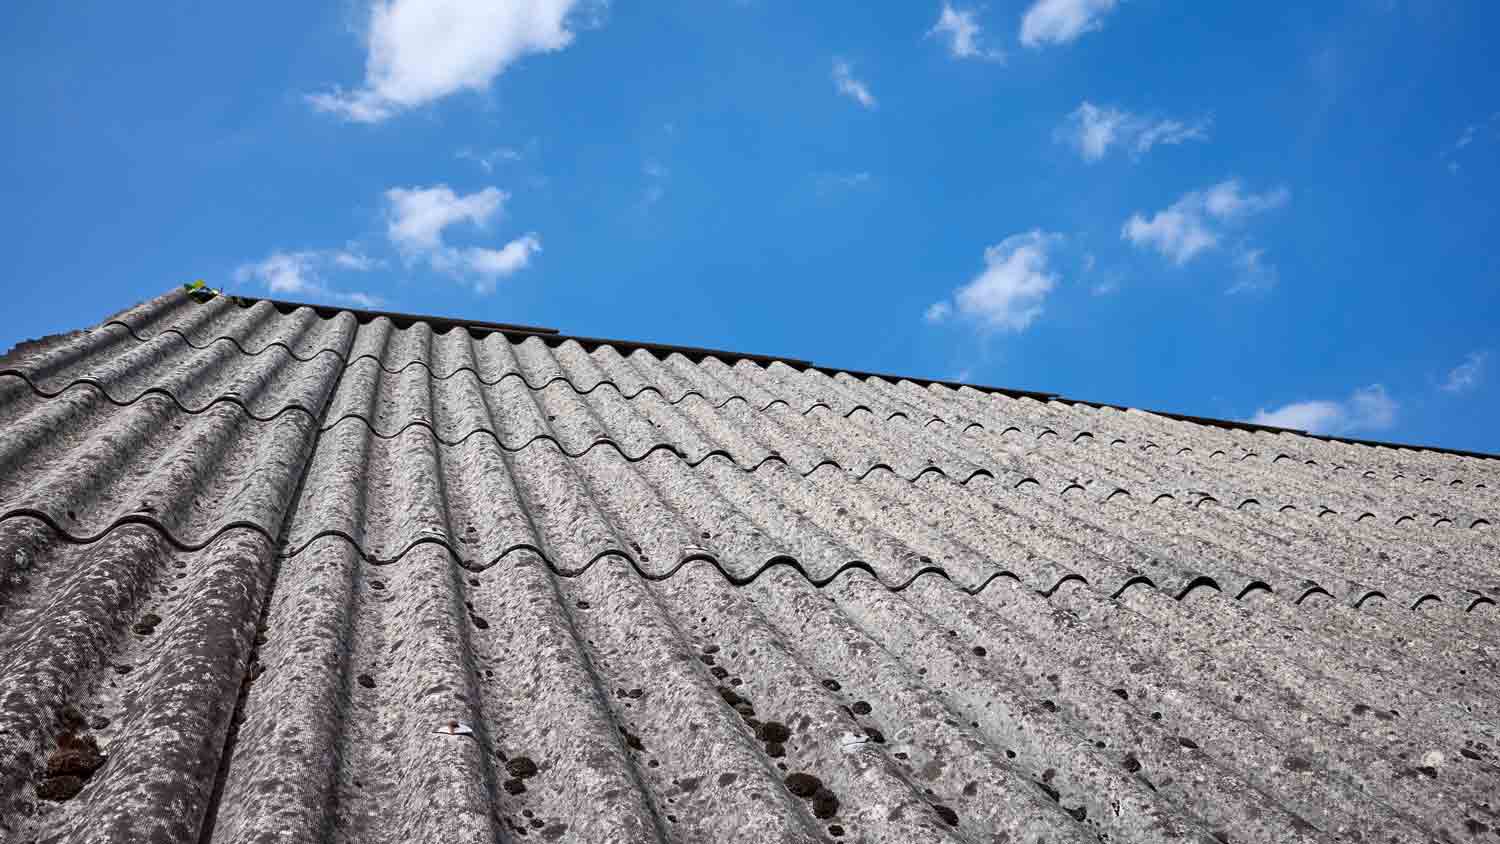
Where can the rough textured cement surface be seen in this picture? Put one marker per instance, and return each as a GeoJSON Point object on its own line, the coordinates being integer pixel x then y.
{"type": "Point", "coordinates": [274, 576]}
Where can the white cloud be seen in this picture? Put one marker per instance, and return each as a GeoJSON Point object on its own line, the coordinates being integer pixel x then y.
{"type": "Point", "coordinates": [418, 215]}
{"type": "Point", "coordinates": [1062, 21]}
{"type": "Point", "coordinates": [1466, 375]}
{"type": "Point", "coordinates": [1227, 201]}
{"type": "Point", "coordinates": [959, 28]}
{"type": "Point", "coordinates": [300, 274]}
{"type": "Point", "coordinates": [1179, 232]}
{"type": "Point", "coordinates": [416, 221]}
{"type": "Point", "coordinates": [488, 266]}
{"type": "Point", "coordinates": [1193, 224]}
{"type": "Point", "coordinates": [854, 89]}
{"type": "Point", "coordinates": [419, 51]}
{"type": "Point", "coordinates": [1368, 408]}
{"type": "Point", "coordinates": [1315, 416]}
{"type": "Point", "coordinates": [1008, 294]}
{"type": "Point", "coordinates": [1092, 130]}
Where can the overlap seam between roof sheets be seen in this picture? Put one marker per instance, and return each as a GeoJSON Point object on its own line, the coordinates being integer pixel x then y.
{"type": "Point", "coordinates": [1017, 479]}
{"type": "Point", "coordinates": [778, 563]}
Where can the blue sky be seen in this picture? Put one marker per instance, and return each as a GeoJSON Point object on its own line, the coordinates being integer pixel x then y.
{"type": "Point", "coordinates": [1224, 209]}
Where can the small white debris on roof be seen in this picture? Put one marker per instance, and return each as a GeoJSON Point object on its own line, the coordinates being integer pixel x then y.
{"type": "Point", "coordinates": [850, 743]}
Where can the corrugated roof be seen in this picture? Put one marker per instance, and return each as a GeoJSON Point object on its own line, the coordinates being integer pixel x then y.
{"type": "Point", "coordinates": [270, 573]}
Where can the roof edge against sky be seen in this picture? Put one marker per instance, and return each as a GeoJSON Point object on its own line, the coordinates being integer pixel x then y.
{"type": "Point", "coordinates": [398, 317]}
{"type": "Point", "coordinates": [698, 352]}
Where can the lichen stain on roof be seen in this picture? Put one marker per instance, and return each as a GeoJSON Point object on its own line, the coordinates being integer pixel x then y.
{"type": "Point", "coordinates": [272, 573]}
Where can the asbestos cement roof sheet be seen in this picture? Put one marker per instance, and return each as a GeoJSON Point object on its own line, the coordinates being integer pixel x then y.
{"type": "Point", "coordinates": [276, 573]}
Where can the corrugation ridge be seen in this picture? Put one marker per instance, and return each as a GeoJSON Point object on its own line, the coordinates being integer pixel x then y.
{"type": "Point", "coordinates": [224, 308]}
{"type": "Point", "coordinates": [1013, 709]}
{"type": "Point", "coordinates": [1316, 486]}
{"type": "Point", "coordinates": [1359, 651]}
{"type": "Point", "coordinates": [1297, 715]}
{"type": "Point", "coordinates": [1233, 532]}
{"type": "Point", "coordinates": [1393, 459]}
{"type": "Point", "coordinates": [1307, 484]}
{"type": "Point", "coordinates": [1145, 420]}
{"type": "Point", "coordinates": [1302, 476]}
{"type": "Point", "coordinates": [328, 314]}
{"type": "Point", "coordinates": [270, 532]}
{"type": "Point", "coordinates": [854, 405]}
{"type": "Point", "coordinates": [789, 645]}
{"type": "Point", "coordinates": [189, 374]}
{"type": "Point", "coordinates": [222, 771]}
{"type": "Point", "coordinates": [1143, 468]}
{"type": "Point", "coordinates": [156, 749]}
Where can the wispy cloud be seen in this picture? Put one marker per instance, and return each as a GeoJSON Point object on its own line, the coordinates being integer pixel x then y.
{"type": "Point", "coordinates": [1049, 22]}
{"type": "Point", "coordinates": [1093, 130]}
{"type": "Point", "coordinates": [833, 182]}
{"type": "Point", "coordinates": [1466, 376]}
{"type": "Point", "coordinates": [1008, 294]}
{"type": "Point", "coordinates": [1253, 272]}
{"type": "Point", "coordinates": [1102, 282]}
{"type": "Point", "coordinates": [1467, 137]}
{"type": "Point", "coordinates": [1367, 409]}
{"type": "Point", "coordinates": [420, 51]}
{"type": "Point", "coordinates": [1194, 224]}
{"type": "Point", "coordinates": [302, 274]}
{"type": "Point", "coordinates": [846, 83]}
{"type": "Point", "coordinates": [656, 185]}
{"type": "Point", "coordinates": [416, 219]}
{"type": "Point", "coordinates": [489, 159]}
{"type": "Point", "coordinates": [960, 30]}
{"type": "Point", "coordinates": [354, 259]}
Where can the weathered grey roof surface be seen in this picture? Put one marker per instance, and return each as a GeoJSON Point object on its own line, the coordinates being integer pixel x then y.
{"type": "Point", "coordinates": [277, 574]}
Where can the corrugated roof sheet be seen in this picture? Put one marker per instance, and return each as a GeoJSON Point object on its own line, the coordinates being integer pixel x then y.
{"type": "Point", "coordinates": [270, 573]}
